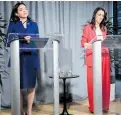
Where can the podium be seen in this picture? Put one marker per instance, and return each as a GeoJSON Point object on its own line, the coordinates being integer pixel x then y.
{"type": "Point", "coordinates": [14, 41]}
{"type": "Point", "coordinates": [111, 42]}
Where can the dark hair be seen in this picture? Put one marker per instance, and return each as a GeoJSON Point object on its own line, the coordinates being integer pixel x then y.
{"type": "Point", "coordinates": [103, 23]}
{"type": "Point", "coordinates": [13, 17]}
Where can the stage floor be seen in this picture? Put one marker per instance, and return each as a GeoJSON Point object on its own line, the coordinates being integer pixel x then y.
{"type": "Point", "coordinates": [75, 108]}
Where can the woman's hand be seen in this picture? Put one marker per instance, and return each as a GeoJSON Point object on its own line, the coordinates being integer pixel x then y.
{"type": "Point", "coordinates": [88, 45]}
{"type": "Point", "coordinates": [27, 38]}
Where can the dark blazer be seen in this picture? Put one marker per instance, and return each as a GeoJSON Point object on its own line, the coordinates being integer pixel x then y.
{"type": "Point", "coordinates": [32, 28]}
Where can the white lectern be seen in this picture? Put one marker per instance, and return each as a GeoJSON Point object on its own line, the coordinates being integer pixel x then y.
{"type": "Point", "coordinates": [113, 42]}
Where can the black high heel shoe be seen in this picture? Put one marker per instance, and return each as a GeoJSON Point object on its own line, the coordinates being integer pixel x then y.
{"type": "Point", "coordinates": [105, 111]}
{"type": "Point", "coordinates": [91, 111]}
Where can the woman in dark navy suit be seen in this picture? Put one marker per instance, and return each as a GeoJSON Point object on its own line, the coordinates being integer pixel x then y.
{"type": "Point", "coordinates": [20, 22]}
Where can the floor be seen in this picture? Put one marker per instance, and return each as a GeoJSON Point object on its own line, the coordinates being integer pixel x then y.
{"type": "Point", "coordinates": [75, 108]}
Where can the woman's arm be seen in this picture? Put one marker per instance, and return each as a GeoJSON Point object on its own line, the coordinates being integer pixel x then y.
{"type": "Point", "coordinates": [10, 30]}
{"type": "Point", "coordinates": [36, 29]}
{"type": "Point", "coordinates": [105, 34]}
{"type": "Point", "coordinates": [35, 32]}
{"type": "Point", "coordinates": [84, 41]}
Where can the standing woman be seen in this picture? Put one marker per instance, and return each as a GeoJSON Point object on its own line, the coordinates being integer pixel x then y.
{"type": "Point", "coordinates": [94, 28]}
{"type": "Point", "coordinates": [20, 22]}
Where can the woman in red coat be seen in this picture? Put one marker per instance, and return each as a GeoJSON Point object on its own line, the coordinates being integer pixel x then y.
{"type": "Point", "coordinates": [97, 27]}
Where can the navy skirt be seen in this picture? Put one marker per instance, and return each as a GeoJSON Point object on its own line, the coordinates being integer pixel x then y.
{"type": "Point", "coordinates": [28, 70]}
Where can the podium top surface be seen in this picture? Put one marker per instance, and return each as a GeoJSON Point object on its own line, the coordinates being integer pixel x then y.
{"type": "Point", "coordinates": [21, 36]}
{"type": "Point", "coordinates": [112, 41]}
{"type": "Point", "coordinates": [35, 40]}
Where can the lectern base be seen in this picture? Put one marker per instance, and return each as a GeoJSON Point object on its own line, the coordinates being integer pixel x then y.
{"type": "Point", "coordinates": [65, 112]}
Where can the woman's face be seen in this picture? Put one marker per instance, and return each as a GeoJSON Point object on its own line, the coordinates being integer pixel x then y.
{"type": "Point", "coordinates": [22, 11]}
{"type": "Point", "coordinates": [99, 16]}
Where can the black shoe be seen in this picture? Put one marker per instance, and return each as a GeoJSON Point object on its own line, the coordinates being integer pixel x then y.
{"type": "Point", "coordinates": [105, 111]}
{"type": "Point", "coordinates": [91, 111]}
